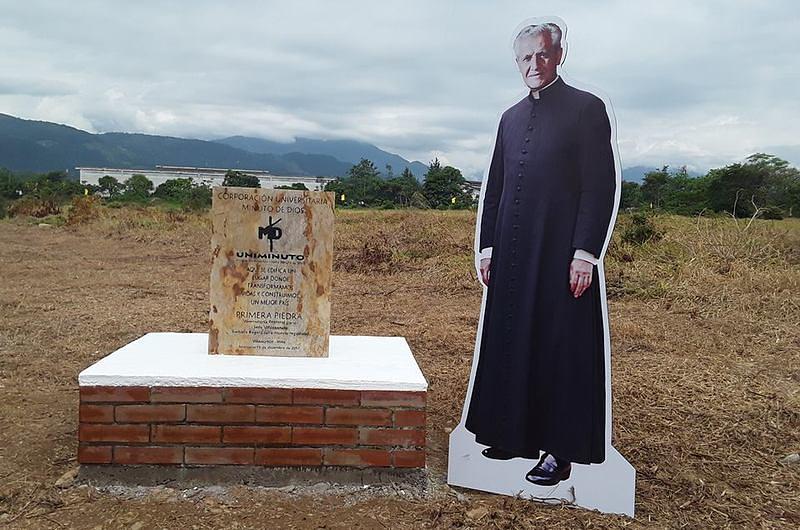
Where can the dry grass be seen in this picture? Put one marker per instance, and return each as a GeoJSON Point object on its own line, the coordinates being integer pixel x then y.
{"type": "Point", "coordinates": [83, 209]}
{"type": "Point", "coordinates": [33, 207]}
{"type": "Point", "coordinates": [706, 364]}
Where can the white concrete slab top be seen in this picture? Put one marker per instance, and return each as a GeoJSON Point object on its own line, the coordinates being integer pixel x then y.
{"type": "Point", "coordinates": [181, 359]}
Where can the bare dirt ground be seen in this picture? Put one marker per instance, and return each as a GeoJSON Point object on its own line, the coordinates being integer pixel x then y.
{"type": "Point", "coordinates": [706, 368]}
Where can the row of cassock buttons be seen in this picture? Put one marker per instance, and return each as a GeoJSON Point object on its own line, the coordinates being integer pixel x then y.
{"type": "Point", "coordinates": [516, 227]}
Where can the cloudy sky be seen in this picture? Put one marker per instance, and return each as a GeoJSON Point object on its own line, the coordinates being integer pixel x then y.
{"type": "Point", "coordinates": [701, 83]}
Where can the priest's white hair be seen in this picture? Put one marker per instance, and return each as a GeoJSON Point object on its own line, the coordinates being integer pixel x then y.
{"type": "Point", "coordinates": [548, 27]}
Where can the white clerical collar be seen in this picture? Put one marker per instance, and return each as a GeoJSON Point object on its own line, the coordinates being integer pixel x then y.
{"type": "Point", "coordinates": [535, 93]}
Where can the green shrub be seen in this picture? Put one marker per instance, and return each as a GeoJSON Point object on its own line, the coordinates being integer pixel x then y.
{"type": "Point", "coordinates": [199, 198]}
{"type": "Point", "coordinates": [640, 229]}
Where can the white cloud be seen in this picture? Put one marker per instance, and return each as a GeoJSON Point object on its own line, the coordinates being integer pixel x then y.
{"type": "Point", "coordinates": [696, 83]}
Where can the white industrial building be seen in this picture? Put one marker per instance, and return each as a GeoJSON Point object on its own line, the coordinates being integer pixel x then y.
{"type": "Point", "coordinates": [209, 176]}
{"type": "Point", "coordinates": [474, 187]}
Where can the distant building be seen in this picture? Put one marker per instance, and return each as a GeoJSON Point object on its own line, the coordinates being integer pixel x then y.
{"type": "Point", "coordinates": [474, 186]}
{"type": "Point", "coordinates": [210, 176]}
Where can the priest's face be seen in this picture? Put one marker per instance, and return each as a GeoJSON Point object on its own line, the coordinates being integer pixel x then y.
{"type": "Point", "coordinates": [537, 59]}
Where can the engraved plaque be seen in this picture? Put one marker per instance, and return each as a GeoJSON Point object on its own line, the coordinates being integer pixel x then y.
{"type": "Point", "coordinates": [272, 260]}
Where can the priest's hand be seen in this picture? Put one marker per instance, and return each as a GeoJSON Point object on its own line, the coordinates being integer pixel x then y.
{"type": "Point", "coordinates": [484, 268]}
{"type": "Point", "coordinates": [580, 276]}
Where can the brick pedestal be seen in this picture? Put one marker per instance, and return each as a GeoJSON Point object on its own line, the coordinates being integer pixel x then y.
{"type": "Point", "coordinates": [251, 426]}
{"type": "Point", "coordinates": [199, 425]}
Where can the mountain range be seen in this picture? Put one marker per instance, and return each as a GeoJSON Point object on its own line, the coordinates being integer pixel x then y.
{"type": "Point", "coordinates": [345, 150]}
{"type": "Point", "coordinates": [37, 146]}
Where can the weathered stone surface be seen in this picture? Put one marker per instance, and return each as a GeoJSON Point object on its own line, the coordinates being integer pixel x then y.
{"type": "Point", "coordinates": [791, 459]}
{"type": "Point", "coordinates": [272, 260]}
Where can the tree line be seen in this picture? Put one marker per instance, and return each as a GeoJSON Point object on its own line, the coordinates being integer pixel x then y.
{"type": "Point", "coordinates": [443, 187]}
{"type": "Point", "coordinates": [363, 187]}
{"type": "Point", "coordinates": [763, 184]}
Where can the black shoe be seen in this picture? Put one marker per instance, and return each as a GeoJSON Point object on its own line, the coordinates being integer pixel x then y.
{"type": "Point", "coordinates": [549, 471]}
{"type": "Point", "coordinates": [495, 453]}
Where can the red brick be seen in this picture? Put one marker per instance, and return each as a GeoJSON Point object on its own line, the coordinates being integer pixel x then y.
{"type": "Point", "coordinates": [221, 413]}
{"type": "Point", "coordinates": [96, 414]}
{"type": "Point", "coordinates": [256, 435]}
{"type": "Point", "coordinates": [409, 418]}
{"type": "Point", "coordinates": [408, 458]}
{"type": "Point", "coordinates": [319, 396]}
{"type": "Point", "coordinates": [260, 396]}
{"type": "Point", "coordinates": [197, 434]}
{"type": "Point", "coordinates": [323, 436]}
{"type": "Point", "coordinates": [402, 437]}
{"type": "Point", "coordinates": [88, 432]}
{"type": "Point", "coordinates": [148, 455]}
{"type": "Point", "coordinates": [359, 416]}
{"type": "Point", "coordinates": [294, 456]}
{"type": "Point", "coordinates": [289, 415]}
{"type": "Point", "coordinates": [219, 455]}
{"type": "Point", "coordinates": [391, 398]}
{"type": "Point", "coordinates": [94, 454]}
{"type": "Point", "coordinates": [357, 457]}
{"type": "Point", "coordinates": [115, 393]}
{"type": "Point", "coordinates": [149, 413]}
{"type": "Point", "coordinates": [191, 394]}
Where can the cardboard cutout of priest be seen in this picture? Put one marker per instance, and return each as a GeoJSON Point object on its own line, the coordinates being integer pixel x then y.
{"type": "Point", "coordinates": [540, 388]}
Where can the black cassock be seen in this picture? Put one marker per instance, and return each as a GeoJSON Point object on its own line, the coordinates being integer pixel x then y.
{"type": "Point", "coordinates": [540, 381]}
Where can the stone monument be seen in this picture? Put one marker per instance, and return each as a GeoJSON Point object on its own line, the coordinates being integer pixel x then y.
{"type": "Point", "coordinates": [272, 259]}
{"type": "Point", "coordinates": [288, 395]}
